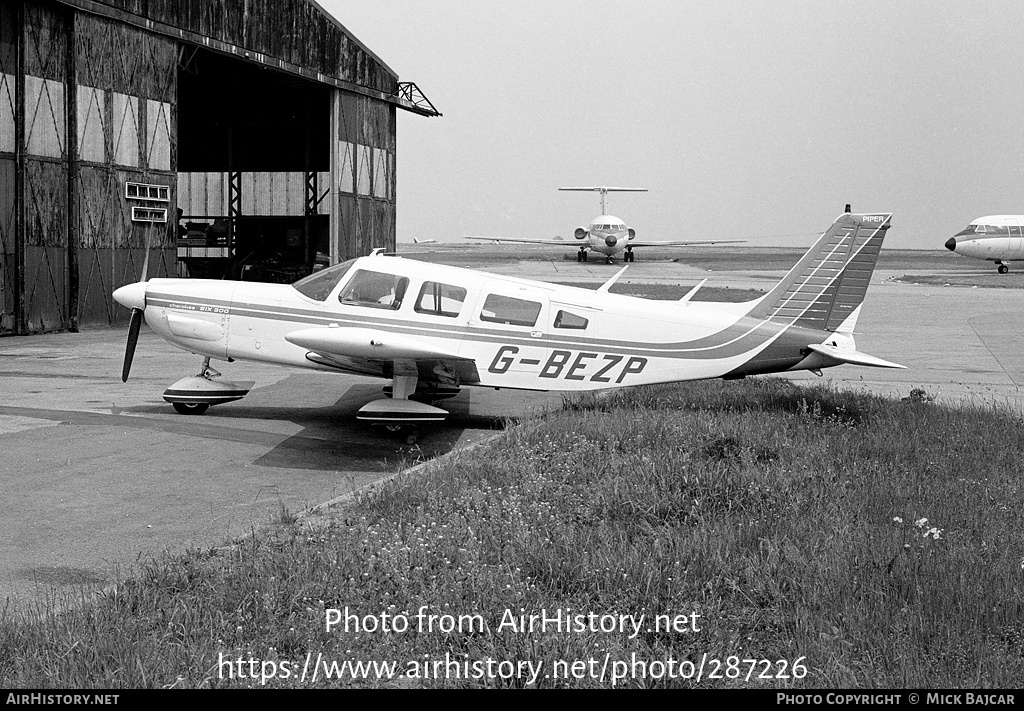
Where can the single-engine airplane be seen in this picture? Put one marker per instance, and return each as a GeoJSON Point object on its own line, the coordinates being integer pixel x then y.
{"type": "Point", "coordinates": [432, 329]}
{"type": "Point", "coordinates": [997, 238]}
{"type": "Point", "coordinates": [607, 234]}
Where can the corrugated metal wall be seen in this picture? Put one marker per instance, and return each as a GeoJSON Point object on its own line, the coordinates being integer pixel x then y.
{"type": "Point", "coordinates": [8, 83]}
{"type": "Point", "coordinates": [126, 110]}
{"type": "Point", "coordinates": [45, 181]}
{"type": "Point", "coordinates": [92, 104]}
{"type": "Point", "coordinates": [94, 100]}
{"type": "Point", "coordinates": [364, 172]}
{"type": "Point", "coordinates": [295, 31]}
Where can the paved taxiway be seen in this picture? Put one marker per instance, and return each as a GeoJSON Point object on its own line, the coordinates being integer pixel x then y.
{"type": "Point", "coordinates": [99, 474]}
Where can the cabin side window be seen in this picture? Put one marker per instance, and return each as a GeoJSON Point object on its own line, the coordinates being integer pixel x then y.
{"type": "Point", "coordinates": [510, 311]}
{"type": "Point", "coordinates": [440, 299]}
{"type": "Point", "coordinates": [375, 289]}
{"type": "Point", "coordinates": [566, 319]}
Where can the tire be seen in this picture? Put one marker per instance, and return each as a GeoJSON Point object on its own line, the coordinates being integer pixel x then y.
{"type": "Point", "coordinates": [1003, 269]}
{"type": "Point", "coordinates": [191, 408]}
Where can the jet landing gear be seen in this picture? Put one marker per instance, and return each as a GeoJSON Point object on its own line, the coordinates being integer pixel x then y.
{"type": "Point", "coordinates": [628, 255]}
{"type": "Point", "coordinates": [1003, 267]}
{"type": "Point", "coordinates": [194, 395]}
{"type": "Point", "coordinates": [581, 256]}
{"type": "Point", "coordinates": [407, 408]}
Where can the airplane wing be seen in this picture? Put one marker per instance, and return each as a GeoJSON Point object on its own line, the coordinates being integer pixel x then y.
{"type": "Point", "coordinates": [560, 242]}
{"type": "Point", "coordinates": [363, 350]}
{"type": "Point", "coordinates": [646, 243]}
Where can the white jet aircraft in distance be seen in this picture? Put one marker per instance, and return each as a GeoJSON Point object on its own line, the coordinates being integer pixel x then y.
{"type": "Point", "coordinates": [997, 238]}
{"type": "Point", "coordinates": [432, 329]}
{"type": "Point", "coordinates": [607, 234]}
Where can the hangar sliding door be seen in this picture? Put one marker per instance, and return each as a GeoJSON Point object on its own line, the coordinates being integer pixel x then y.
{"type": "Point", "coordinates": [86, 109]}
{"type": "Point", "coordinates": [44, 184]}
{"type": "Point", "coordinates": [8, 257]}
{"type": "Point", "coordinates": [126, 96]}
{"type": "Point", "coordinates": [363, 165]}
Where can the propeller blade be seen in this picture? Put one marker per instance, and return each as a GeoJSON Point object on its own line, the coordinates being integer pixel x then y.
{"type": "Point", "coordinates": [133, 338]}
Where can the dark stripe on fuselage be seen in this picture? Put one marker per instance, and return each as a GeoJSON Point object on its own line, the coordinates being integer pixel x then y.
{"type": "Point", "coordinates": [811, 287]}
{"type": "Point", "coordinates": [740, 337]}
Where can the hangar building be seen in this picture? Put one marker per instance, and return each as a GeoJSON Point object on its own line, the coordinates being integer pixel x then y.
{"type": "Point", "coordinates": [243, 139]}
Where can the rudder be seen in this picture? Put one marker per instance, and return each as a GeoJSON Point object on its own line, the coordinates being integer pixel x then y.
{"type": "Point", "coordinates": [829, 282]}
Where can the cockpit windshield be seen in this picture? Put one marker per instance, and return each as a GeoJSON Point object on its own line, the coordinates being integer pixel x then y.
{"type": "Point", "coordinates": [319, 285]}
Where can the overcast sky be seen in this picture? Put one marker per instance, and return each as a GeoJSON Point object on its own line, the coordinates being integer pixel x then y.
{"type": "Point", "coordinates": [744, 120]}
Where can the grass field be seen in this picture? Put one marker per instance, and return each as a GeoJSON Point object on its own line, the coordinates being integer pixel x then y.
{"type": "Point", "coordinates": [790, 537]}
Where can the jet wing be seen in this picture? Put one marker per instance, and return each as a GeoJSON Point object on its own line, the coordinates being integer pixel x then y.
{"type": "Point", "coordinates": [560, 242]}
{"type": "Point", "coordinates": [645, 243]}
{"type": "Point", "coordinates": [363, 349]}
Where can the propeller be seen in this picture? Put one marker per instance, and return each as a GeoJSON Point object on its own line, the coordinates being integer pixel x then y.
{"type": "Point", "coordinates": [134, 296]}
{"type": "Point", "coordinates": [133, 338]}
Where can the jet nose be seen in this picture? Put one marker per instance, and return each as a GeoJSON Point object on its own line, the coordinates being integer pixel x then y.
{"type": "Point", "coordinates": [610, 240]}
{"type": "Point", "coordinates": [951, 244]}
{"type": "Point", "coordinates": [132, 295]}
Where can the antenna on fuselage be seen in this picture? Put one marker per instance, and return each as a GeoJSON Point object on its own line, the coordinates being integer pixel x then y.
{"type": "Point", "coordinates": [604, 193]}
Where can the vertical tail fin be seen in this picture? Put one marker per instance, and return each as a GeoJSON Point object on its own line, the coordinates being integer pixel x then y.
{"type": "Point", "coordinates": [828, 284]}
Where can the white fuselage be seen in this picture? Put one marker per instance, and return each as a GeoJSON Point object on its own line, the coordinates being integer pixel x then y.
{"type": "Point", "coordinates": [996, 238]}
{"type": "Point", "coordinates": [575, 339]}
{"type": "Point", "coordinates": [608, 235]}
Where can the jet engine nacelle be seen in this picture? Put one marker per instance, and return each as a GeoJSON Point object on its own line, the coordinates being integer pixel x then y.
{"type": "Point", "coordinates": [632, 233]}
{"type": "Point", "coordinates": [580, 232]}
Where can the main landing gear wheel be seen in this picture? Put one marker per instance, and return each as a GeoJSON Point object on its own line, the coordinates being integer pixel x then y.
{"type": "Point", "coordinates": [581, 256]}
{"type": "Point", "coordinates": [191, 408]}
{"type": "Point", "coordinates": [408, 431]}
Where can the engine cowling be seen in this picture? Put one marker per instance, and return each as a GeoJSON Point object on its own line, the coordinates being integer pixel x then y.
{"type": "Point", "coordinates": [580, 232]}
{"type": "Point", "coordinates": [632, 233]}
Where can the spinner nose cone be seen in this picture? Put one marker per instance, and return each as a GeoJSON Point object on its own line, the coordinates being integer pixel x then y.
{"type": "Point", "coordinates": [951, 244]}
{"type": "Point", "coordinates": [132, 295]}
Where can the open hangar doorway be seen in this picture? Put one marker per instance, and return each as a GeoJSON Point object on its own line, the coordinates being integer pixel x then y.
{"type": "Point", "coordinates": [253, 170]}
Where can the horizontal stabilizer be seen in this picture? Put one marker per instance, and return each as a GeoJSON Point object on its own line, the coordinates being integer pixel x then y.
{"type": "Point", "coordinates": [844, 355]}
{"type": "Point", "coordinates": [603, 189]}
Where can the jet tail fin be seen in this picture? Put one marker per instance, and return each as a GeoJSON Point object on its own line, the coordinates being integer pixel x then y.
{"type": "Point", "coordinates": [826, 287]}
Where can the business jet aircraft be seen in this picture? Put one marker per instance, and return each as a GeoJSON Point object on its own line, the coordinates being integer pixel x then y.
{"type": "Point", "coordinates": [607, 234]}
{"type": "Point", "coordinates": [997, 238]}
{"type": "Point", "coordinates": [432, 329]}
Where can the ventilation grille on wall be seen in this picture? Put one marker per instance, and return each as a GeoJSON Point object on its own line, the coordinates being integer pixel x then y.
{"type": "Point", "coordinates": [146, 193]}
